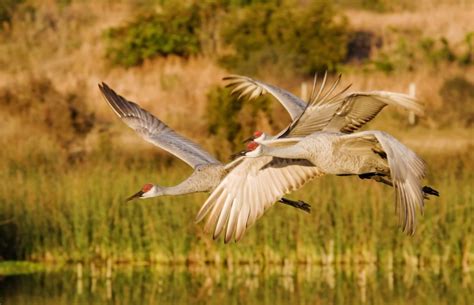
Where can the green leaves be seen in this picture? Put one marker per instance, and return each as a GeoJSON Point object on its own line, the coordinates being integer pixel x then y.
{"type": "Point", "coordinates": [290, 36]}
{"type": "Point", "coordinates": [303, 37]}
{"type": "Point", "coordinates": [173, 32]}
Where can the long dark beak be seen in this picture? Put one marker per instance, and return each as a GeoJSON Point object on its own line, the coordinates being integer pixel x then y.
{"type": "Point", "coordinates": [248, 139]}
{"type": "Point", "coordinates": [137, 195]}
{"type": "Point", "coordinates": [238, 154]}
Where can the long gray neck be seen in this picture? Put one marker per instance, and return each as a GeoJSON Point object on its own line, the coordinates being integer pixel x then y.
{"type": "Point", "coordinates": [199, 181]}
{"type": "Point", "coordinates": [288, 152]}
{"type": "Point", "coordinates": [188, 186]}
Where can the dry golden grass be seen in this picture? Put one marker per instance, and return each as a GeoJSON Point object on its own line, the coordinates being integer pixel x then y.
{"type": "Point", "coordinates": [450, 19]}
{"type": "Point", "coordinates": [71, 55]}
{"type": "Point", "coordinates": [65, 45]}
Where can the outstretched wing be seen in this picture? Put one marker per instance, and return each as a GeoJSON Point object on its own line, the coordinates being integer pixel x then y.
{"type": "Point", "coordinates": [346, 113]}
{"type": "Point", "coordinates": [328, 109]}
{"type": "Point", "coordinates": [406, 170]}
{"type": "Point", "coordinates": [155, 131]}
{"type": "Point", "coordinates": [319, 111]}
{"type": "Point", "coordinates": [244, 85]}
{"type": "Point", "coordinates": [249, 190]}
{"type": "Point", "coordinates": [358, 108]}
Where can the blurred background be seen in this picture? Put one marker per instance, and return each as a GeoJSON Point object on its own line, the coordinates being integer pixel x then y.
{"type": "Point", "coordinates": [67, 162]}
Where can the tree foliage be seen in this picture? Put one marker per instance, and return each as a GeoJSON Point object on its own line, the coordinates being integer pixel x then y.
{"type": "Point", "coordinates": [458, 93]}
{"type": "Point", "coordinates": [303, 37]}
{"type": "Point", "coordinates": [300, 37]}
{"type": "Point", "coordinates": [7, 7]}
{"type": "Point", "coordinates": [222, 114]}
{"type": "Point", "coordinates": [174, 31]}
{"type": "Point", "coordinates": [230, 121]}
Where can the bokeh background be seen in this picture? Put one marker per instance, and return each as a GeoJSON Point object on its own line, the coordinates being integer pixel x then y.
{"type": "Point", "coordinates": [67, 162]}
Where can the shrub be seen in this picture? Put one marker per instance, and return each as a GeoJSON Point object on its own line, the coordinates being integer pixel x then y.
{"type": "Point", "coordinates": [7, 7]}
{"type": "Point", "coordinates": [458, 98]}
{"type": "Point", "coordinates": [360, 45]}
{"type": "Point", "coordinates": [231, 121]}
{"type": "Point", "coordinates": [436, 51]}
{"type": "Point", "coordinates": [381, 6]}
{"type": "Point", "coordinates": [412, 53]}
{"type": "Point", "coordinates": [38, 104]}
{"type": "Point", "coordinates": [303, 37]}
{"type": "Point", "coordinates": [174, 31]}
{"type": "Point", "coordinates": [222, 114]}
{"type": "Point", "coordinates": [383, 63]}
{"type": "Point", "coordinates": [467, 57]}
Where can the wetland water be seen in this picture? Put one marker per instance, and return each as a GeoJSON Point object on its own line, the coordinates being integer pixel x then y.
{"type": "Point", "coordinates": [239, 285]}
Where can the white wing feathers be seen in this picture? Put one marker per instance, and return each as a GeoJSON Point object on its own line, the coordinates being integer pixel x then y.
{"type": "Point", "coordinates": [347, 113]}
{"type": "Point", "coordinates": [319, 111]}
{"type": "Point", "coordinates": [407, 171]}
{"type": "Point", "coordinates": [155, 131]}
{"type": "Point", "coordinates": [328, 108]}
{"type": "Point", "coordinates": [358, 108]}
{"type": "Point", "coordinates": [254, 88]}
{"type": "Point", "coordinates": [249, 190]}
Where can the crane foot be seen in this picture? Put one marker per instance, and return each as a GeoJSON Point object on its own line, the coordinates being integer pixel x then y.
{"type": "Point", "coordinates": [297, 204]}
{"type": "Point", "coordinates": [429, 191]}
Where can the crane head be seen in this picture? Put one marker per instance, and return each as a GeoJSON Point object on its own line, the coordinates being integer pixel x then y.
{"type": "Point", "coordinates": [148, 190]}
{"type": "Point", "coordinates": [254, 149]}
{"type": "Point", "coordinates": [256, 136]}
{"type": "Point", "coordinates": [257, 133]}
{"type": "Point", "coordinates": [252, 145]}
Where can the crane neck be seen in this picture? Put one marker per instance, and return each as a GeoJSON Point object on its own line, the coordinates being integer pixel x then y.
{"type": "Point", "coordinates": [201, 180]}
{"type": "Point", "coordinates": [276, 141]}
{"type": "Point", "coordinates": [286, 152]}
{"type": "Point", "coordinates": [185, 187]}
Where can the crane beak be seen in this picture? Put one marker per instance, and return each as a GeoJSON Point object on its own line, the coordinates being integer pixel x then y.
{"type": "Point", "coordinates": [136, 195]}
{"type": "Point", "coordinates": [248, 139]}
{"type": "Point", "coordinates": [238, 154]}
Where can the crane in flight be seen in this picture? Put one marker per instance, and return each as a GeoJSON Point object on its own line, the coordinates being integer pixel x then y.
{"type": "Point", "coordinates": [250, 189]}
{"type": "Point", "coordinates": [208, 172]}
{"type": "Point", "coordinates": [368, 154]}
{"type": "Point", "coordinates": [326, 110]}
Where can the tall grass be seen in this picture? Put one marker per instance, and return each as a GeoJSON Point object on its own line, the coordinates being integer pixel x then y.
{"type": "Point", "coordinates": [53, 207]}
{"type": "Point", "coordinates": [76, 212]}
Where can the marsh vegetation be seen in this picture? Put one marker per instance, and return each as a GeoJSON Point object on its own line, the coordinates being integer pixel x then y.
{"type": "Point", "coordinates": [246, 284]}
{"type": "Point", "coordinates": [67, 163]}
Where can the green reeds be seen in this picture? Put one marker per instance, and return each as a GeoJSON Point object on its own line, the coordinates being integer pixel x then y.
{"type": "Point", "coordinates": [59, 212]}
{"type": "Point", "coordinates": [249, 284]}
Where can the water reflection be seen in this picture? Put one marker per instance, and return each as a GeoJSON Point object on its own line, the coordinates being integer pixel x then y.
{"type": "Point", "coordinates": [247, 284]}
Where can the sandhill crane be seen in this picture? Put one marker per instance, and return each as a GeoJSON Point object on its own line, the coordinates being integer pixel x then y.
{"type": "Point", "coordinates": [326, 110]}
{"type": "Point", "coordinates": [208, 172]}
{"type": "Point", "coordinates": [229, 206]}
{"type": "Point", "coordinates": [366, 153]}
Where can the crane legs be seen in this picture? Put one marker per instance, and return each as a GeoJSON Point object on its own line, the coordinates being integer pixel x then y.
{"type": "Point", "coordinates": [297, 204]}
{"type": "Point", "coordinates": [426, 189]}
